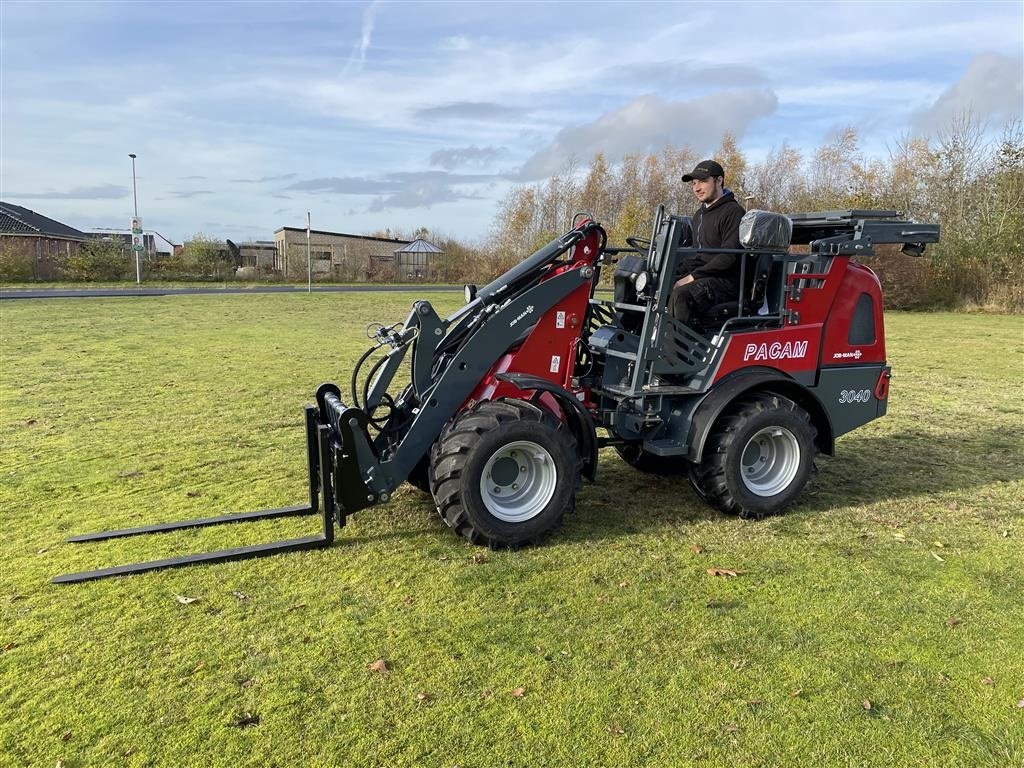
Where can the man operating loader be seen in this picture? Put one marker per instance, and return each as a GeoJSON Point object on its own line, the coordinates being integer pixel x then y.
{"type": "Point", "coordinates": [709, 278]}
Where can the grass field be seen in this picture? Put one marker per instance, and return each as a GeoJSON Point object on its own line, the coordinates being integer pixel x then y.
{"type": "Point", "coordinates": [880, 622]}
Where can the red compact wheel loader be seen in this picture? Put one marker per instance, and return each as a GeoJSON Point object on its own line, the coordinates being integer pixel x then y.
{"type": "Point", "coordinates": [510, 398]}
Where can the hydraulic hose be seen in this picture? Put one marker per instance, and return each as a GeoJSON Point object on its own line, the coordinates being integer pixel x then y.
{"type": "Point", "coordinates": [355, 375]}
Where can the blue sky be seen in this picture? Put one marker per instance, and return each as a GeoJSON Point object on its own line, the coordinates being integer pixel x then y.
{"type": "Point", "coordinates": [386, 114]}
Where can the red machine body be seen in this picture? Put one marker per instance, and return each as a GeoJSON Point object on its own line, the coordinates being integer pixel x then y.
{"type": "Point", "coordinates": [819, 308]}
{"type": "Point", "coordinates": [549, 351]}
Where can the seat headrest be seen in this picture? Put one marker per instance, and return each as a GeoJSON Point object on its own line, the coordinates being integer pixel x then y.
{"type": "Point", "coordinates": [765, 230]}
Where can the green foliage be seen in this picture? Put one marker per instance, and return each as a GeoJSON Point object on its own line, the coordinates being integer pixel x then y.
{"type": "Point", "coordinates": [128, 412]}
{"type": "Point", "coordinates": [459, 264]}
{"type": "Point", "coordinates": [210, 257]}
{"type": "Point", "coordinates": [100, 260]}
{"type": "Point", "coordinates": [174, 267]}
{"type": "Point", "coordinates": [15, 265]}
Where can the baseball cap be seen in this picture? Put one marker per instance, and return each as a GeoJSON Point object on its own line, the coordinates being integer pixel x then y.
{"type": "Point", "coordinates": [705, 169]}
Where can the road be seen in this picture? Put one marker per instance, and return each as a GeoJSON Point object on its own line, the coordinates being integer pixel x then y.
{"type": "Point", "coordinates": [73, 293]}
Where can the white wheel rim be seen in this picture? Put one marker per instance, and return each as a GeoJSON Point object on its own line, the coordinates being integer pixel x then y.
{"type": "Point", "coordinates": [518, 481]}
{"type": "Point", "coordinates": [770, 460]}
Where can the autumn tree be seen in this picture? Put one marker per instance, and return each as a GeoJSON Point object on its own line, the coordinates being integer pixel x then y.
{"type": "Point", "coordinates": [731, 158]}
{"type": "Point", "coordinates": [960, 179]}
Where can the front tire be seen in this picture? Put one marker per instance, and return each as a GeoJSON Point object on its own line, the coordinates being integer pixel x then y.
{"type": "Point", "coordinates": [505, 473]}
{"type": "Point", "coordinates": [758, 458]}
{"type": "Point", "coordinates": [419, 478]}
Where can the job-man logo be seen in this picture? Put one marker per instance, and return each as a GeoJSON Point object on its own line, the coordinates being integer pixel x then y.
{"type": "Point", "coordinates": [791, 350]}
{"type": "Point", "coordinates": [524, 313]}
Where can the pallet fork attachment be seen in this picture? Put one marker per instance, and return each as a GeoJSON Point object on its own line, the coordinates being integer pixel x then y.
{"type": "Point", "coordinates": [321, 499]}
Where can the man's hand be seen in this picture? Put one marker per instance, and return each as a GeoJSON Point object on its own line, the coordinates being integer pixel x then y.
{"type": "Point", "coordinates": [683, 281]}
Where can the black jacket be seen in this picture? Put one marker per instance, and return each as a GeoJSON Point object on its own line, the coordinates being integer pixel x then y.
{"type": "Point", "coordinates": [716, 226]}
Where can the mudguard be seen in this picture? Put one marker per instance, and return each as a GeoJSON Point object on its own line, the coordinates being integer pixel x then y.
{"type": "Point", "coordinates": [578, 417]}
{"type": "Point", "coordinates": [766, 379]}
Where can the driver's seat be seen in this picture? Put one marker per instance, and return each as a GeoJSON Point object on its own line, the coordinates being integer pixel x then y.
{"type": "Point", "coordinates": [759, 230]}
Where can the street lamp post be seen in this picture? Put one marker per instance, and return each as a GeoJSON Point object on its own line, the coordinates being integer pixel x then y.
{"type": "Point", "coordinates": [135, 199]}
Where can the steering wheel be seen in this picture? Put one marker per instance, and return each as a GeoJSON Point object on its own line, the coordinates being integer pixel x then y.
{"type": "Point", "coordinates": [639, 244]}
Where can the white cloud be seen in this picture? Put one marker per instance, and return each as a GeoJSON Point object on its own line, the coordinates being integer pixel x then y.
{"type": "Point", "coordinates": [357, 94]}
{"type": "Point", "coordinates": [649, 124]}
{"type": "Point", "coordinates": [992, 88]}
{"type": "Point", "coordinates": [100, 192]}
{"type": "Point", "coordinates": [454, 157]}
{"type": "Point", "coordinates": [358, 57]}
{"type": "Point", "coordinates": [456, 43]}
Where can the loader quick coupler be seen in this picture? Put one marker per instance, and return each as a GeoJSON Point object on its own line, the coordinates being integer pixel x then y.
{"type": "Point", "coordinates": [353, 459]}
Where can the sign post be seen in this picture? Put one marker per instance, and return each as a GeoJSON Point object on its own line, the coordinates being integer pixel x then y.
{"type": "Point", "coordinates": [138, 239]}
{"type": "Point", "coordinates": [309, 260]}
{"type": "Point", "coordinates": [138, 246]}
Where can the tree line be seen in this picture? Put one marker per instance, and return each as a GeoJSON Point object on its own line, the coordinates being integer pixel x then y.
{"type": "Point", "coordinates": [971, 185]}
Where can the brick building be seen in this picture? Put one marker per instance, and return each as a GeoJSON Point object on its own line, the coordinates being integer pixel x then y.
{"type": "Point", "coordinates": [40, 244]}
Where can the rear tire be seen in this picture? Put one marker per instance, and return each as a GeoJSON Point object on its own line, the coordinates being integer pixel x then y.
{"type": "Point", "coordinates": [758, 458]}
{"type": "Point", "coordinates": [505, 473]}
{"type": "Point", "coordinates": [693, 475]}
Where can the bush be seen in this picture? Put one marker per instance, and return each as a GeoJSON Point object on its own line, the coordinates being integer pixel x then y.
{"type": "Point", "coordinates": [100, 260]}
{"type": "Point", "coordinates": [15, 266]}
{"type": "Point", "coordinates": [208, 258]}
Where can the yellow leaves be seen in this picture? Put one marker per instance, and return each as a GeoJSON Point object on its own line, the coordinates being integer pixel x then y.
{"type": "Point", "coordinates": [734, 163]}
{"type": "Point", "coordinates": [728, 572]}
{"type": "Point", "coordinates": [380, 666]}
{"type": "Point", "coordinates": [185, 600]}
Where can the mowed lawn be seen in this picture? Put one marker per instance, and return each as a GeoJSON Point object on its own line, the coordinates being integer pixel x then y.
{"type": "Point", "coordinates": [879, 622]}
